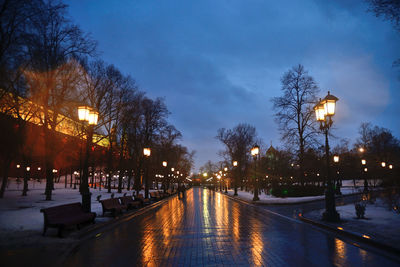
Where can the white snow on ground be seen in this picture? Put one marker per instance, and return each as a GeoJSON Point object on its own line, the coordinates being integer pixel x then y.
{"type": "Point", "coordinates": [19, 213]}
{"type": "Point", "coordinates": [269, 199]}
{"type": "Point", "coordinates": [248, 196]}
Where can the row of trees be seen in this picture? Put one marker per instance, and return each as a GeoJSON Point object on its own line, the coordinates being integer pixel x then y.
{"type": "Point", "coordinates": [48, 67]}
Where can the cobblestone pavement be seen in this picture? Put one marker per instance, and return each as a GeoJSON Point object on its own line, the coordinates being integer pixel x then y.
{"type": "Point", "coordinates": [206, 228]}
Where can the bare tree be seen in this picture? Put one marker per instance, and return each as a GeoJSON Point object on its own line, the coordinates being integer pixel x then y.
{"type": "Point", "coordinates": [238, 142]}
{"type": "Point", "coordinates": [389, 9]}
{"type": "Point", "coordinates": [52, 41]}
{"type": "Point", "coordinates": [294, 111]}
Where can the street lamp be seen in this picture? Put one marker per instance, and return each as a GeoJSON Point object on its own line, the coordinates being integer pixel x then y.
{"type": "Point", "coordinates": [225, 180]}
{"type": "Point", "coordinates": [364, 163]}
{"type": "Point", "coordinates": [383, 164]}
{"type": "Point", "coordinates": [324, 111]}
{"type": "Point", "coordinates": [255, 151]}
{"type": "Point", "coordinates": [146, 153]}
{"type": "Point", "coordinates": [89, 116]}
{"type": "Point", "coordinates": [164, 181]}
{"type": "Point", "coordinates": [336, 160]}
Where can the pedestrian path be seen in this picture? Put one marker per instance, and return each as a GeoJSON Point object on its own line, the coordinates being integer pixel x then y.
{"type": "Point", "coordinates": [206, 228]}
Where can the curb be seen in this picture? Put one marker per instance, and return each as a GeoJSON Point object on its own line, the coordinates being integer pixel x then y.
{"type": "Point", "coordinates": [359, 237]}
{"type": "Point", "coordinates": [122, 218]}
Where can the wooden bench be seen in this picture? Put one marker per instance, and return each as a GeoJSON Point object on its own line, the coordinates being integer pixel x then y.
{"type": "Point", "coordinates": [66, 215]}
{"type": "Point", "coordinates": [143, 200]}
{"type": "Point", "coordinates": [162, 194]}
{"type": "Point", "coordinates": [155, 196]}
{"type": "Point", "coordinates": [113, 205]}
{"type": "Point", "coordinates": [129, 202]}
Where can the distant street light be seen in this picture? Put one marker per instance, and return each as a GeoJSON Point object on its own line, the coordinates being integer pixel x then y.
{"type": "Point", "coordinates": [336, 160]}
{"type": "Point", "coordinates": [255, 151]}
{"type": "Point", "coordinates": [147, 154]}
{"type": "Point", "coordinates": [89, 116]}
{"type": "Point", "coordinates": [383, 164]}
{"type": "Point", "coordinates": [324, 112]}
{"type": "Point", "coordinates": [165, 164]}
{"type": "Point", "coordinates": [364, 163]}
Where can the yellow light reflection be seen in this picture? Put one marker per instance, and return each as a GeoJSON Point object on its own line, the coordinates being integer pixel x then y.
{"type": "Point", "coordinates": [340, 251]}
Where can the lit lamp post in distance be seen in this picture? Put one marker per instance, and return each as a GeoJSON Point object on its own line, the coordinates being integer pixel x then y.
{"type": "Point", "coordinates": [89, 116]}
{"type": "Point", "coordinates": [165, 164]}
{"type": "Point", "coordinates": [146, 154]}
{"type": "Point", "coordinates": [235, 174]}
{"type": "Point", "coordinates": [255, 151]}
{"type": "Point", "coordinates": [324, 112]}
{"type": "Point", "coordinates": [225, 178]}
{"type": "Point", "coordinates": [364, 163]}
{"type": "Point", "coordinates": [336, 161]}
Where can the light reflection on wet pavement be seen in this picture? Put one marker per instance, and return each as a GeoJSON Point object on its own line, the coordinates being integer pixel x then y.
{"type": "Point", "coordinates": [209, 229]}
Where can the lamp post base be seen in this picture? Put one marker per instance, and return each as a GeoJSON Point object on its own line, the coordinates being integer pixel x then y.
{"type": "Point", "coordinates": [331, 216]}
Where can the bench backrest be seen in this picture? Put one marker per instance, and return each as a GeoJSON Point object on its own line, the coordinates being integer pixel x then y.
{"type": "Point", "coordinates": [126, 199]}
{"type": "Point", "coordinates": [110, 203]}
{"type": "Point", "coordinates": [62, 211]}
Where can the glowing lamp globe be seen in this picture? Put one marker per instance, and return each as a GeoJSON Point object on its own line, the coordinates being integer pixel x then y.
{"type": "Point", "coordinates": [329, 103]}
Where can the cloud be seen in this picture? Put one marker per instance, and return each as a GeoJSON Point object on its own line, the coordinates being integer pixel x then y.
{"type": "Point", "coordinates": [218, 63]}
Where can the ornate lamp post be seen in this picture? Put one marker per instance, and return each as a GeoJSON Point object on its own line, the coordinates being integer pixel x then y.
{"type": "Point", "coordinates": [89, 116]}
{"type": "Point", "coordinates": [255, 151]}
{"type": "Point", "coordinates": [363, 164]}
{"type": "Point", "coordinates": [165, 164]}
{"type": "Point", "coordinates": [336, 160]}
{"type": "Point", "coordinates": [235, 174]}
{"type": "Point", "coordinates": [146, 154]}
{"type": "Point", "coordinates": [225, 183]}
{"type": "Point", "coordinates": [324, 111]}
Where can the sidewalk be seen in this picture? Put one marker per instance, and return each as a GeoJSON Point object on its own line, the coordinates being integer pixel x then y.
{"type": "Point", "coordinates": [379, 228]}
{"type": "Point", "coordinates": [21, 222]}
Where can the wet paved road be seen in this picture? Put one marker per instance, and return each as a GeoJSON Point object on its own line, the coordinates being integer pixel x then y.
{"type": "Point", "coordinates": [209, 229]}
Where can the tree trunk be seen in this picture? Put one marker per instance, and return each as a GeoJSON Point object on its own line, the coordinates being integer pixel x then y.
{"type": "Point", "coordinates": [26, 177]}
{"type": "Point", "coordinates": [70, 184]}
{"type": "Point", "coordinates": [4, 182]}
{"type": "Point", "coordinates": [49, 163]}
{"type": "Point", "coordinates": [109, 167]}
{"type": "Point", "coordinates": [301, 162]}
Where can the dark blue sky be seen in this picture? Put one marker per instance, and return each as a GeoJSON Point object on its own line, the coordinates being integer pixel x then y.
{"type": "Point", "coordinates": [219, 62]}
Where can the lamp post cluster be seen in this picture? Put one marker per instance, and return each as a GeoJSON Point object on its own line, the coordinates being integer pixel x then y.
{"type": "Point", "coordinates": [324, 111]}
